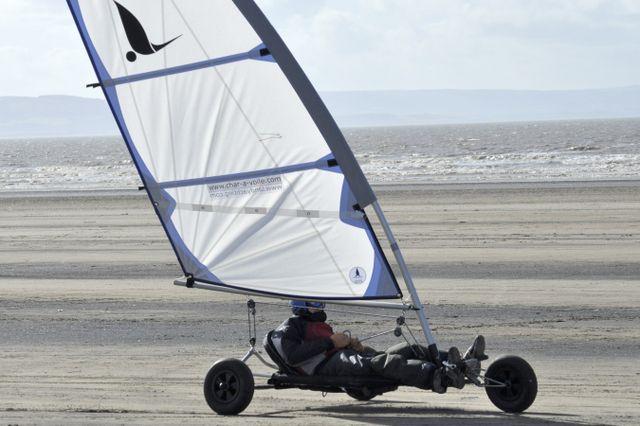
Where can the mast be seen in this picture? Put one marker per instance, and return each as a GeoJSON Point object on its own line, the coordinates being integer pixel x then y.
{"type": "Point", "coordinates": [406, 275]}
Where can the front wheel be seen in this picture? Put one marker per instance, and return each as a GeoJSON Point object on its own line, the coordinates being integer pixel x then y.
{"type": "Point", "coordinates": [228, 386]}
{"type": "Point", "coordinates": [521, 384]}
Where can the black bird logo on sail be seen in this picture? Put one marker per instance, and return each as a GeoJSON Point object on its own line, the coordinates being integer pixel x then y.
{"type": "Point", "coordinates": [137, 36]}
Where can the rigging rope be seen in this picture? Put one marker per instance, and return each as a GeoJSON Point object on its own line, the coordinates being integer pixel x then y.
{"type": "Point", "coordinates": [400, 321]}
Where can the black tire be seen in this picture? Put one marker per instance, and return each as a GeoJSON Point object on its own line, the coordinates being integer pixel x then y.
{"type": "Point", "coordinates": [522, 384]}
{"type": "Point", "coordinates": [363, 394]}
{"type": "Point", "coordinates": [228, 386]}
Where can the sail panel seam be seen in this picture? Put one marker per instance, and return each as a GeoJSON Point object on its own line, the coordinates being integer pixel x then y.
{"type": "Point", "coordinates": [245, 175]}
{"type": "Point", "coordinates": [172, 138]}
{"type": "Point", "coordinates": [179, 69]}
{"type": "Point", "coordinates": [316, 214]}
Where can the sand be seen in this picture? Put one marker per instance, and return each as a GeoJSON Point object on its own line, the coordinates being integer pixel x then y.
{"type": "Point", "coordinates": [93, 331]}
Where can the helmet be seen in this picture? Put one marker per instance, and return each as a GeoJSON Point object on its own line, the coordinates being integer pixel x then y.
{"type": "Point", "coordinates": [300, 306]}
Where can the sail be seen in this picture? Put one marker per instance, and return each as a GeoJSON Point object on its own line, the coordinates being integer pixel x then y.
{"type": "Point", "coordinates": [249, 175]}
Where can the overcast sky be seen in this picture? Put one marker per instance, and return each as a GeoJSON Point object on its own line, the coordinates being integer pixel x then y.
{"type": "Point", "coordinates": [378, 44]}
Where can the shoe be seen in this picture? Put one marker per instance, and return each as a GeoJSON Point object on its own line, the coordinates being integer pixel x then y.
{"type": "Point", "coordinates": [439, 383]}
{"type": "Point", "coordinates": [455, 378]}
{"type": "Point", "coordinates": [476, 350]}
{"type": "Point", "coordinates": [454, 370]}
{"type": "Point", "coordinates": [453, 356]}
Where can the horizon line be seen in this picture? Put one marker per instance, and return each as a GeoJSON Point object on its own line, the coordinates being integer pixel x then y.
{"type": "Point", "coordinates": [633, 86]}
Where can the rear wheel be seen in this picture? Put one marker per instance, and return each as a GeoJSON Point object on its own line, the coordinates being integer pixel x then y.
{"type": "Point", "coordinates": [228, 386]}
{"type": "Point", "coordinates": [521, 384]}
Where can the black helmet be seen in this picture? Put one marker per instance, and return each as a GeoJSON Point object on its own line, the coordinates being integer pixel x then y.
{"type": "Point", "coordinates": [299, 307]}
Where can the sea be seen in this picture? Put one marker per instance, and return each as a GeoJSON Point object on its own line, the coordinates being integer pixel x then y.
{"type": "Point", "coordinates": [579, 150]}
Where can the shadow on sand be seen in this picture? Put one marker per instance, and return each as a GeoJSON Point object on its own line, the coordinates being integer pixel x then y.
{"type": "Point", "coordinates": [397, 412]}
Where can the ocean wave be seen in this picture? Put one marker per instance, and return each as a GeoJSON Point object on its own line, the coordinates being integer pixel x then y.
{"type": "Point", "coordinates": [584, 148]}
{"type": "Point", "coordinates": [502, 167]}
{"type": "Point", "coordinates": [581, 150]}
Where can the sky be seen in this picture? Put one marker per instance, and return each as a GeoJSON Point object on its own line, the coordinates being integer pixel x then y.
{"type": "Point", "coordinates": [378, 44]}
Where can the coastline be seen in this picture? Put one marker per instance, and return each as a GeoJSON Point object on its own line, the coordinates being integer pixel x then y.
{"type": "Point", "coordinates": [385, 186]}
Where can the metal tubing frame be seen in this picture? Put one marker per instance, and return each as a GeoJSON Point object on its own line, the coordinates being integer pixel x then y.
{"type": "Point", "coordinates": [182, 282]}
{"type": "Point", "coordinates": [406, 275]}
{"type": "Point", "coordinates": [253, 352]}
{"type": "Point", "coordinates": [373, 336]}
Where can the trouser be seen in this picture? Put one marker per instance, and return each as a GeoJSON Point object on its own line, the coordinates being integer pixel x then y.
{"type": "Point", "coordinates": [411, 365]}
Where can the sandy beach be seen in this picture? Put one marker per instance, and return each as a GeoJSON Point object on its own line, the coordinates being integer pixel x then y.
{"type": "Point", "coordinates": [92, 330]}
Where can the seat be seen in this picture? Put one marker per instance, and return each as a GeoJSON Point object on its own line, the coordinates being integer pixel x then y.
{"type": "Point", "coordinates": [271, 350]}
{"type": "Point", "coordinates": [288, 377]}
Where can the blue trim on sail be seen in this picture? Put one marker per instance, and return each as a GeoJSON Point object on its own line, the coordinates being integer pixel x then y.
{"type": "Point", "coordinates": [328, 159]}
{"type": "Point", "coordinates": [163, 203]}
{"type": "Point", "coordinates": [251, 54]}
{"type": "Point", "coordinates": [320, 164]}
{"type": "Point", "coordinates": [383, 283]}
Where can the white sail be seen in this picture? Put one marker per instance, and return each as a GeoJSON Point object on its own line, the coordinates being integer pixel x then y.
{"type": "Point", "coordinates": [248, 173]}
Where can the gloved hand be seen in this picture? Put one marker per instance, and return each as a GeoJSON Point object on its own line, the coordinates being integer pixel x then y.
{"type": "Point", "coordinates": [340, 340]}
{"type": "Point", "coordinates": [356, 345]}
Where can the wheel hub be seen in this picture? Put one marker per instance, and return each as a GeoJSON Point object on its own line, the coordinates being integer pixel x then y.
{"type": "Point", "coordinates": [511, 389]}
{"type": "Point", "coordinates": [225, 387]}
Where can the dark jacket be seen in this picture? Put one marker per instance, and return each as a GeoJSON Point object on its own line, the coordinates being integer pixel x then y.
{"type": "Point", "coordinates": [304, 343]}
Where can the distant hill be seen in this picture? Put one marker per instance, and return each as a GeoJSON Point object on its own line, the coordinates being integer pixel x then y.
{"type": "Point", "coordinates": [75, 116]}
{"type": "Point", "coordinates": [54, 116]}
{"type": "Point", "coordinates": [418, 107]}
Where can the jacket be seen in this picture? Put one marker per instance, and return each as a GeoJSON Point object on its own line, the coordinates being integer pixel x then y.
{"type": "Point", "coordinates": [303, 344]}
